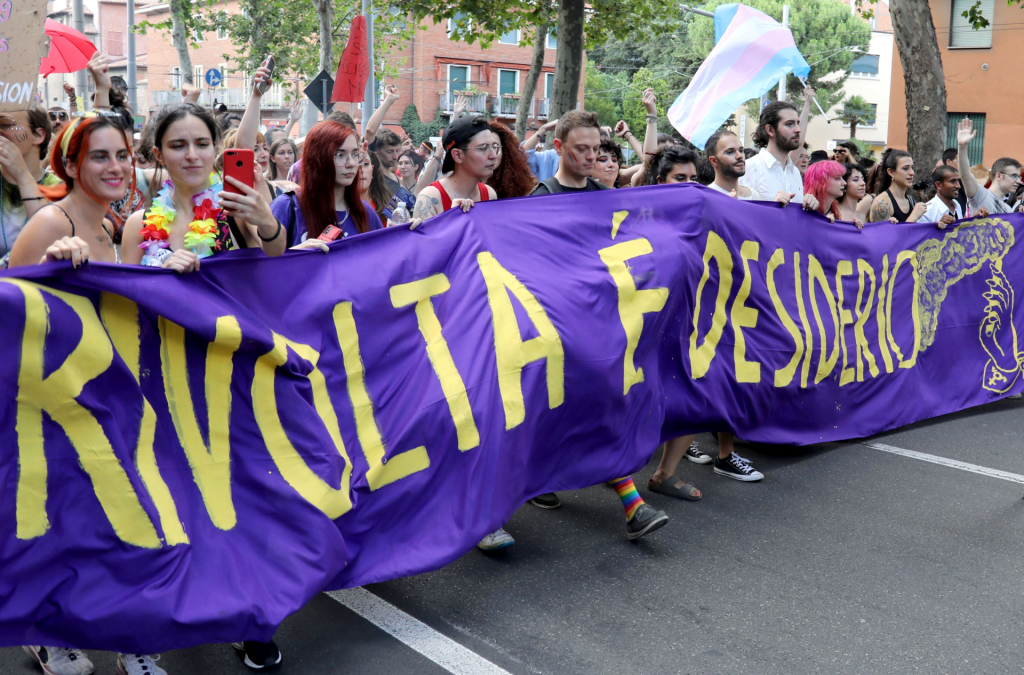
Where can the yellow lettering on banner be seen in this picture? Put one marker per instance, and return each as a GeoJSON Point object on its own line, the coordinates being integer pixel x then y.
{"type": "Point", "coordinates": [381, 471]}
{"type": "Point", "coordinates": [334, 502]}
{"type": "Point", "coordinates": [419, 293]}
{"type": "Point", "coordinates": [784, 376]}
{"type": "Point", "coordinates": [816, 277]}
{"type": "Point", "coordinates": [808, 335]}
{"type": "Point", "coordinates": [702, 356]}
{"type": "Point", "coordinates": [55, 394]}
{"type": "Point", "coordinates": [120, 316]}
{"type": "Point", "coordinates": [863, 348]}
{"type": "Point", "coordinates": [843, 268]}
{"type": "Point", "coordinates": [211, 464]}
{"type": "Point", "coordinates": [633, 304]}
{"type": "Point", "coordinates": [744, 317]}
{"type": "Point", "coordinates": [901, 258]}
{"type": "Point", "coordinates": [511, 352]}
{"type": "Point", "coordinates": [883, 340]}
{"type": "Point", "coordinates": [617, 219]}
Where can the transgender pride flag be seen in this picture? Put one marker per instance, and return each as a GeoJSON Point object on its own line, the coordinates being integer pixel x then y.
{"type": "Point", "coordinates": [752, 53]}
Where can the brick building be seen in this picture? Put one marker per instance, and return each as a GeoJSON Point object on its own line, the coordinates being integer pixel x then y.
{"type": "Point", "coordinates": [434, 67]}
{"type": "Point", "coordinates": [982, 71]}
{"type": "Point", "coordinates": [112, 27]}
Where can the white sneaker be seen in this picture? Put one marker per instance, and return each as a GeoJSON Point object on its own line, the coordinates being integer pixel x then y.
{"type": "Point", "coordinates": [61, 660]}
{"type": "Point", "coordinates": [139, 664]}
{"type": "Point", "coordinates": [694, 454]}
{"type": "Point", "coordinates": [495, 540]}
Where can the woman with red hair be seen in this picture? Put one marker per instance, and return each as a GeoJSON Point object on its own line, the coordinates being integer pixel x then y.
{"type": "Point", "coordinates": [331, 157]}
{"type": "Point", "coordinates": [825, 181]}
{"type": "Point", "coordinates": [512, 176]}
{"type": "Point", "coordinates": [93, 158]}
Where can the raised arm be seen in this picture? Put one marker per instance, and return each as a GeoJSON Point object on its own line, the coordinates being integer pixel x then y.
{"type": "Point", "coordinates": [250, 124]}
{"type": "Point", "coordinates": [190, 93]}
{"type": "Point", "coordinates": [622, 131]}
{"type": "Point", "coordinates": [100, 71]}
{"type": "Point", "coordinates": [293, 116]}
{"type": "Point", "coordinates": [533, 141]}
{"type": "Point", "coordinates": [964, 135]}
{"type": "Point", "coordinates": [377, 118]}
{"type": "Point", "coordinates": [651, 135]}
{"type": "Point", "coordinates": [430, 170]}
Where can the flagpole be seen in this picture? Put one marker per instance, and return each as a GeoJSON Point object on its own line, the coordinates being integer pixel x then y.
{"type": "Point", "coordinates": [785, 24]}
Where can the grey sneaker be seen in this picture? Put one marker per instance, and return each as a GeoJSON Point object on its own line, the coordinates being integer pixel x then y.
{"type": "Point", "coordinates": [548, 500]}
{"type": "Point", "coordinates": [694, 454]}
{"type": "Point", "coordinates": [139, 664]}
{"type": "Point", "coordinates": [737, 468]}
{"type": "Point", "coordinates": [61, 660]}
{"type": "Point", "coordinates": [645, 521]}
{"type": "Point", "coordinates": [496, 540]}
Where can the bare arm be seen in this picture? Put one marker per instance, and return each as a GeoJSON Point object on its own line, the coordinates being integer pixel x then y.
{"type": "Point", "coordinates": [651, 135]}
{"type": "Point", "coordinates": [964, 135]}
{"type": "Point", "coordinates": [630, 171]}
{"type": "Point", "coordinates": [293, 116]}
{"type": "Point", "coordinates": [881, 209]}
{"type": "Point", "coordinates": [622, 131]}
{"type": "Point", "coordinates": [430, 170]}
{"type": "Point", "coordinates": [101, 75]}
{"type": "Point", "coordinates": [533, 141]}
{"type": "Point", "coordinates": [377, 118]}
{"type": "Point", "coordinates": [40, 231]}
{"type": "Point", "coordinates": [250, 124]}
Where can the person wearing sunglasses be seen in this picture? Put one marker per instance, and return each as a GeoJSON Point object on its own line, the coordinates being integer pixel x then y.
{"type": "Point", "coordinates": [58, 118]}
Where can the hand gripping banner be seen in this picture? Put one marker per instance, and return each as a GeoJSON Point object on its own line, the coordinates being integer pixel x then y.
{"type": "Point", "coordinates": [189, 459]}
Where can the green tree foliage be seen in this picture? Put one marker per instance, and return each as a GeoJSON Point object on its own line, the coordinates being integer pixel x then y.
{"type": "Point", "coordinates": [824, 32]}
{"type": "Point", "coordinates": [633, 110]}
{"type": "Point", "coordinates": [596, 98]}
{"type": "Point", "coordinates": [419, 131]}
{"type": "Point", "coordinates": [856, 111]}
{"type": "Point", "coordinates": [979, 20]}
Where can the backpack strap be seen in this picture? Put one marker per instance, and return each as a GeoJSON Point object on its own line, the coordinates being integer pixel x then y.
{"type": "Point", "coordinates": [552, 185]}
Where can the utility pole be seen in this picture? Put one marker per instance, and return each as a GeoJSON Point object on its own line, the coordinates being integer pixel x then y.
{"type": "Point", "coordinates": [370, 95]}
{"type": "Point", "coordinates": [78, 21]}
{"type": "Point", "coordinates": [133, 83]}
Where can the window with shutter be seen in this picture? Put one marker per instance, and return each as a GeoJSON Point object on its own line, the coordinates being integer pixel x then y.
{"type": "Point", "coordinates": [961, 34]}
{"type": "Point", "coordinates": [976, 150]}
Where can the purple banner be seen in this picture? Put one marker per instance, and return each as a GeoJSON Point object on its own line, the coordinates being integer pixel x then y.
{"type": "Point", "coordinates": [189, 459]}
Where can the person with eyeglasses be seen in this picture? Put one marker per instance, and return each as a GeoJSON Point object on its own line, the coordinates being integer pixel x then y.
{"type": "Point", "coordinates": [1005, 176]}
{"type": "Point", "coordinates": [332, 157]}
{"type": "Point", "coordinates": [471, 155]}
{"type": "Point", "coordinates": [24, 138]}
{"type": "Point", "coordinates": [58, 118]}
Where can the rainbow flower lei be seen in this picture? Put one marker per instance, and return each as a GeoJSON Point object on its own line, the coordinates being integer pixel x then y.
{"type": "Point", "coordinates": [201, 237]}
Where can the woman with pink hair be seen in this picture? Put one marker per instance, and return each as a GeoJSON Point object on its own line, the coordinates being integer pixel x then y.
{"type": "Point", "coordinates": [825, 181]}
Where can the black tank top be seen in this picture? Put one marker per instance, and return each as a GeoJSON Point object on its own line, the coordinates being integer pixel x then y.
{"type": "Point", "coordinates": [897, 213]}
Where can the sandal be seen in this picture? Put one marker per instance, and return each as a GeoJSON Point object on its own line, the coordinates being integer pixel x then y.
{"type": "Point", "coordinates": [670, 486]}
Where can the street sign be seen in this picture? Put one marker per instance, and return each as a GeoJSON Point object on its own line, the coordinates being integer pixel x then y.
{"type": "Point", "coordinates": [319, 92]}
{"type": "Point", "coordinates": [214, 78]}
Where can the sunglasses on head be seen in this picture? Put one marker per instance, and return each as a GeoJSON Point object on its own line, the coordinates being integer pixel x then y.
{"type": "Point", "coordinates": [62, 116]}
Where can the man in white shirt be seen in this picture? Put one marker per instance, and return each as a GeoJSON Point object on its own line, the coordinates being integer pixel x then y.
{"type": "Point", "coordinates": [1005, 176]}
{"type": "Point", "coordinates": [725, 155]}
{"type": "Point", "coordinates": [944, 208]}
{"type": "Point", "coordinates": [771, 173]}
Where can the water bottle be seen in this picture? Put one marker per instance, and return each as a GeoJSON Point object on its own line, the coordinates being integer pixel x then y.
{"type": "Point", "coordinates": [400, 214]}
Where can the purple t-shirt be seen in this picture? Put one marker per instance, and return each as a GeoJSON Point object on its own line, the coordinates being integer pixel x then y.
{"type": "Point", "coordinates": [287, 210]}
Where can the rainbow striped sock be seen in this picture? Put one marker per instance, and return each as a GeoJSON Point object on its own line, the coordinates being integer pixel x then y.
{"type": "Point", "coordinates": [631, 500]}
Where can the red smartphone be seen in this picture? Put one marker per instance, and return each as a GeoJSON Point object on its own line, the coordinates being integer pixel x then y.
{"type": "Point", "coordinates": [330, 233]}
{"type": "Point", "coordinates": [238, 163]}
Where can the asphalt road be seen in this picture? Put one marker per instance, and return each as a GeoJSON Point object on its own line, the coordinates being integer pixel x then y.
{"type": "Point", "coordinates": [845, 559]}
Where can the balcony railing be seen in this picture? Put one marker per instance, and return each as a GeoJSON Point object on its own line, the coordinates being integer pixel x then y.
{"type": "Point", "coordinates": [543, 106]}
{"type": "Point", "coordinates": [234, 97]}
{"type": "Point", "coordinates": [475, 103]}
{"type": "Point", "coordinates": [507, 106]}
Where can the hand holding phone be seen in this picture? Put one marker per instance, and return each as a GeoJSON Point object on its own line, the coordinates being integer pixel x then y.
{"type": "Point", "coordinates": [269, 64]}
{"type": "Point", "coordinates": [238, 164]}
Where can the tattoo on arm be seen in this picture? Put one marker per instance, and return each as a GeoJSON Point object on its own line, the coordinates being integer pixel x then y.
{"type": "Point", "coordinates": [425, 207]}
{"type": "Point", "coordinates": [880, 211]}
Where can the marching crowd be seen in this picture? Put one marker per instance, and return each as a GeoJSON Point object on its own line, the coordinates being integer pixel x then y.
{"type": "Point", "coordinates": [83, 187]}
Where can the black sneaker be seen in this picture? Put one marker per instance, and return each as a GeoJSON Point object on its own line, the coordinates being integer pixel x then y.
{"type": "Point", "coordinates": [694, 454]}
{"type": "Point", "coordinates": [547, 501]}
{"type": "Point", "coordinates": [737, 468]}
{"type": "Point", "coordinates": [258, 655]}
{"type": "Point", "coordinates": [645, 520]}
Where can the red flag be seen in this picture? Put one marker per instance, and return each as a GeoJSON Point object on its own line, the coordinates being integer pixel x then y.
{"type": "Point", "coordinates": [354, 69]}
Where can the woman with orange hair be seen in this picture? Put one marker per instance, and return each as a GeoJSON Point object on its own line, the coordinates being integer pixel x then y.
{"type": "Point", "coordinates": [512, 176]}
{"type": "Point", "coordinates": [93, 158]}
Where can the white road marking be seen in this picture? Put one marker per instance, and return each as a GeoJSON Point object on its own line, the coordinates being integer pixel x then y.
{"type": "Point", "coordinates": [964, 466]}
{"type": "Point", "coordinates": [439, 648]}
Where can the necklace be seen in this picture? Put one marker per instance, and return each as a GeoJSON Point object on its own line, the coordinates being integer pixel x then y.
{"type": "Point", "coordinates": [201, 237]}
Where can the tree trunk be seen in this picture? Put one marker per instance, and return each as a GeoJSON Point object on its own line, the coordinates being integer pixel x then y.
{"type": "Point", "coordinates": [853, 128]}
{"type": "Point", "coordinates": [180, 38]}
{"type": "Point", "coordinates": [532, 77]}
{"type": "Point", "coordinates": [324, 14]}
{"type": "Point", "coordinates": [569, 58]}
{"type": "Point", "coordinates": [924, 82]}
